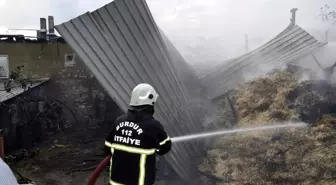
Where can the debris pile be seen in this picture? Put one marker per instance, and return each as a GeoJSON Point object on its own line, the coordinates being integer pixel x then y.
{"type": "Point", "coordinates": [292, 156]}
{"type": "Point", "coordinates": [30, 120]}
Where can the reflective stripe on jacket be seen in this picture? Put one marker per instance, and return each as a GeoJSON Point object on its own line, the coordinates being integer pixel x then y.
{"type": "Point", "coordinates": [133, 143]}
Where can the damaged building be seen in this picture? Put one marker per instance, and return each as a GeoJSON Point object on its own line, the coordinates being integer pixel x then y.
{"type": "Point", "coordinates": [21, 111]}
{"type": "Point", "coordinates": [44, 85]}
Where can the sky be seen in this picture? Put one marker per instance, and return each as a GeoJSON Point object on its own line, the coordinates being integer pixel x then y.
{"type": "Point", "coordinates": [202, 30]}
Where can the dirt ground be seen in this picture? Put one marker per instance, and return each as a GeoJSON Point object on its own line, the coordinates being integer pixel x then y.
{"type": "Point", "coordinates": [68, 157]}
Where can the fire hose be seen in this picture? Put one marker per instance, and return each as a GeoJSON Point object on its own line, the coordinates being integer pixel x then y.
{"type": "Point", "coordinates": [106, 161]}
{"type": "Point", "coordinates": [99, 170]}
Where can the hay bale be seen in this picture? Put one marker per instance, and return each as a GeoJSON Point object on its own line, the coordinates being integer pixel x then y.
{"type": "Point", "coordinates": [302, 156]}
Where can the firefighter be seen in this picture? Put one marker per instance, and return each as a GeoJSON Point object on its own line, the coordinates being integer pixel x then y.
{"type": "Point", "coordinates": [135, 140]}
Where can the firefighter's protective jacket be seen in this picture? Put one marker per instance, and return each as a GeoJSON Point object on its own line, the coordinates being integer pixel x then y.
{"type": "Point", "coordinates": [133, 143]}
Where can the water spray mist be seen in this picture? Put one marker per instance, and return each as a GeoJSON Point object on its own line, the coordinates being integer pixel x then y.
{"type": "Point", "coordinates": [239, 130]}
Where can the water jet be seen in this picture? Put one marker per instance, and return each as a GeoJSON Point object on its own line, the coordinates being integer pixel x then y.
{"type": "Point", "coordinates": [237, 130]}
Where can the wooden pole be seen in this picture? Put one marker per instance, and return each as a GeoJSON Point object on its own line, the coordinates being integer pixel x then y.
{"type": "Point", "coordinates": [246, 44]}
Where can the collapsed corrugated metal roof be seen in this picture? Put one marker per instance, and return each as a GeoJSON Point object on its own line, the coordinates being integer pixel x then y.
{"type": "Point", "coordinates": [122, 46]}
{"type": "Point", "coordinates": [290, 45]}
{"type": "Point", "coordinates": [325, 56]}
{"type": "Point", "coordinates": [188, 77]}
{"type": "Point", "coordinates": [17, 89]}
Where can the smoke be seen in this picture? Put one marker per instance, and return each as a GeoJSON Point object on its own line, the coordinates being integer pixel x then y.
{"type": "Point", "coordinates": [214, 31]}
{"type": "Point", "coordinates": [304, 77]}
{"type": "Point", "coordinates": [261, 68]}
{"type": "Point", "coordinates": [316, 63]}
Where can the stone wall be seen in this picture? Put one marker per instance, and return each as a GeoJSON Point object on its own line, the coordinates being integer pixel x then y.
{"type": "Point", "coordinates": [71, 82]}
{"type": "Point", "coordinates": [27, 118]}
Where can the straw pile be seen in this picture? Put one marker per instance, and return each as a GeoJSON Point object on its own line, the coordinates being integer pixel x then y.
{"type": "Point", "coordinates": [304, 156]}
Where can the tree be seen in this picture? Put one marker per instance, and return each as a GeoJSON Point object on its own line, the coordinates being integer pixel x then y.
{"type": "Point", "coordinates": [328, 16]}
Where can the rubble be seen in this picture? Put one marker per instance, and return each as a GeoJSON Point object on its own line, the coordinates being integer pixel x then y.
{"type": "Point", "coordinates": [303, 156]}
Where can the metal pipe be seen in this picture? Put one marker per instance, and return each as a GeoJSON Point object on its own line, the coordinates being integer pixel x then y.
{"type": "Point", "coordinates": [42, 33]}
{"type": "Point", "coordinates": [293, 19]}
{"type": "Point", "coordinates": [51, 27]}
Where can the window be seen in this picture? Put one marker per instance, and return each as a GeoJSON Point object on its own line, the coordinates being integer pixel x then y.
{"type": "Point", "coordinates": [4, 72]}
{"type": "Point", "coordinates": [69, 57]}
{"type": "Point", "coordinates": [69, 60]}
